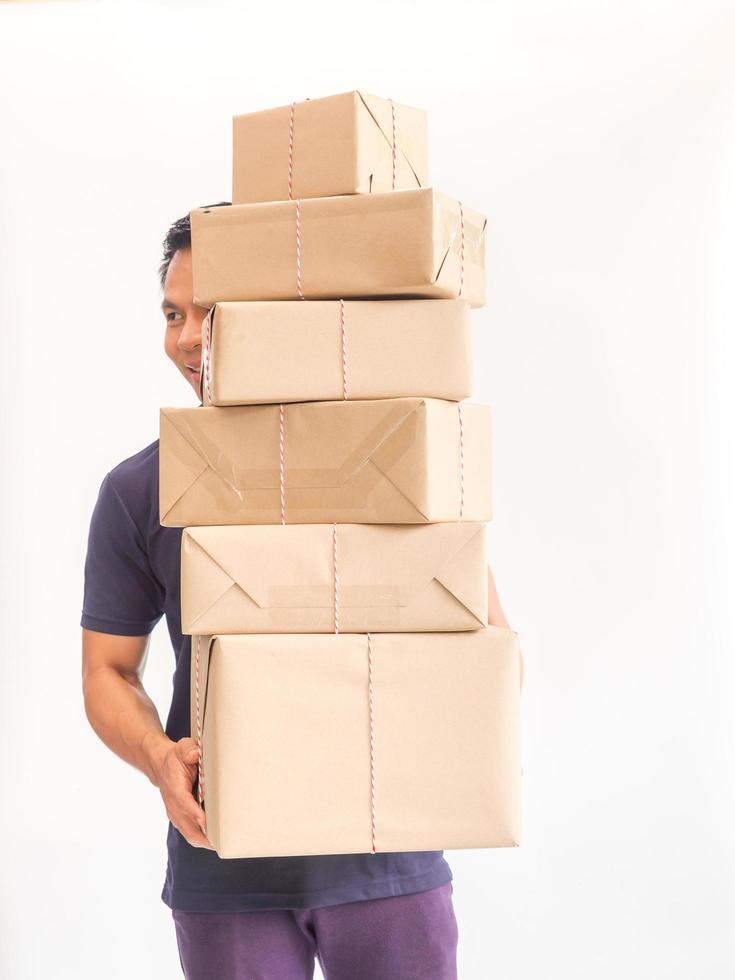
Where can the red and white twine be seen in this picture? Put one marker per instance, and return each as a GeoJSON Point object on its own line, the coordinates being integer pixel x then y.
{"type": "Point", "coordinates": [372, 744]}
{"type": "Point", "coordinates": [393, 143]}
{"type": "Point", "coordinates": [290, 152]}
{"type": "Point", "coordinates": [344, 347]}
{"type": "Point", "coordinates": [394, 157]}
{"type": "Point", "coordinates": [461, 461]}
{"type": "Point", "coordinates": [206, 364]}
{"type": "Point", "coordinates": [281, 464]}
{"type": "Point", "coordinates": [336, 578]}
{"type": "Point", "coordinates": [461, 248]}
{"type": "Point", "coordinates": [298, 249]}
{"type": "Point", "coordinates": [200, 762]}
{"type": "Point", "coordinates": [371, 708]}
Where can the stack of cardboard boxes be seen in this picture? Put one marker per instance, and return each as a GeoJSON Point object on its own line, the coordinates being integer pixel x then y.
{"type": "Point", "coordinates": [347, 691]}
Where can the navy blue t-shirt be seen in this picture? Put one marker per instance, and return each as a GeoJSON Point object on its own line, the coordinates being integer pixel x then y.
{"type": "Point", "coordinates": [132, 579]}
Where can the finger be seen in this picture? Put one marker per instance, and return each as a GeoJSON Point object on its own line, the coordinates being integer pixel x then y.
{"type": "Point", "coordinates": [177, 788]}
{"type": "Point", "coordinates": [191, 759]}
{"type": "Point", "coordinates": [179, 813]}
{"type": "Point", "coordinates": [188, 759]}
{"type": "Point", "coordinates": [193, 834]}
{"type": "Point", "coordinates": [187, 808]}
{"type": "Point", "coordinates": [187, 749]}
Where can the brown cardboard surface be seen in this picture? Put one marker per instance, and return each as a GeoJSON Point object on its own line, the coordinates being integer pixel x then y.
{"type": "Point", "coordinates": [341, 144]}
{"type": "Point", "coordinates": [264, 352]}
{"type": "Point", "coordinates": [286, 725]}
{"type": "Point", "coordinates": [384, 461]}
{"type": "Point", "coordinates": [318, 578]}
{"type": "Point", "coordinates": [412, 243]}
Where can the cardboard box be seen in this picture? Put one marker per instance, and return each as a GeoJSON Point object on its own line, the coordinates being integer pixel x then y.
{"type": "Point", "coordinates": [388, 461]}
{"type": "Point", "coordinates": [342, 144]}
{"type": "Point", "coordinates": [287, 723]}
{"type": "Point", "coordinates": [402, 244]}
{"type": "Point", "coordinates": [331, 349]}
{"type": "Point", "coordinates": [322, 578]}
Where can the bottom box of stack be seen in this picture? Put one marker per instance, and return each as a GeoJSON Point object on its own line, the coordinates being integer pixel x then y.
{"type": "Point", "coordinates": [357, 743]}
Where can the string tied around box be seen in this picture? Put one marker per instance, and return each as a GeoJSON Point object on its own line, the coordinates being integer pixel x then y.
{"type": "Point", "coordinates": [394, 155]}
{"type": "Point", "coordinates": [461, 460]}
{"type": "Point", "coordinates": [461, 250]}
{"type": "Point", "coordinates": [298, 200]}
{"type": "Point", "coordinates": [394, 121]}
{"type": "Point", "coordinates": [290, 152]}
{"type": "Point", "coordinates": [200, 761]}
{"type": "Point", "coordinates": [393, 144]}
{"type": "Point", "coordinates": [343, 338]}
{"type": "Point", "coordinates": [335, 590]}
{"type": "Point", "coordinates": [205, 366]}
{"type": "Point", "coordinates": [281, 464]}
{"type": "Point", "coordinates": [371, 707]}
{"type": "Point", "coordinates": [372, 744]}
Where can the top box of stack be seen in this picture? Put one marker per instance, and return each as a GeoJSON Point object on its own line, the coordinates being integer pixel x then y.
{"type": "Point", "coordinates": [353, 143]}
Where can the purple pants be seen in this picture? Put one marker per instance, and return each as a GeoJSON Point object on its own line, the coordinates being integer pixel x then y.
{"type": "Point", "coordinates": [405, 937]}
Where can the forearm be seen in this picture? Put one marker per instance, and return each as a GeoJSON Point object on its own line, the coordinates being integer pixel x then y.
{"type": "Point", "coordinates": [125, 718]}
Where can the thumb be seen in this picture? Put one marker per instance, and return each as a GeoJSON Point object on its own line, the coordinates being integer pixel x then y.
{"type": "Point", "coordinates": [187, 749]}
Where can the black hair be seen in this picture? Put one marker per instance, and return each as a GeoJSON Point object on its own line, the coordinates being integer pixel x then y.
{"type": "Point", "coordinates": [177, 237]}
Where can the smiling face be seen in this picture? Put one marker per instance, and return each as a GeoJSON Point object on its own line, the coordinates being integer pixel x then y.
{"type": "Point", "coordinates": [183, 340]}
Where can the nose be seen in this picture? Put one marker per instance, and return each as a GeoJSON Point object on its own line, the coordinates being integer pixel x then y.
{"type": "Point", "coordinates": [191, 333]}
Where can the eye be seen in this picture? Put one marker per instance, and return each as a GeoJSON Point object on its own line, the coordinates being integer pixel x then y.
{"type": "Point", "coordinates": [169, 315]}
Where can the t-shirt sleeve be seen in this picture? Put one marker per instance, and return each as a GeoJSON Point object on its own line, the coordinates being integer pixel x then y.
{"type": "Point", "coordinates": [121, 592]}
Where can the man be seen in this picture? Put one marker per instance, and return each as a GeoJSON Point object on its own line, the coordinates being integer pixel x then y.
{"type": "Point", "coordinates": [365, 916]}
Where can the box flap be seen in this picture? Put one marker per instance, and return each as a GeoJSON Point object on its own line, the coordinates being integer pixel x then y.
{"type": "Point", "coordinates": [449, 248]}
{"type": "Point", "coordinates": [379, 110]}
{"type": "Point", "coordinates": [181, 468]}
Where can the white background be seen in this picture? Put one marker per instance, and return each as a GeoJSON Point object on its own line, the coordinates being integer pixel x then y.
{"type": "Point", "coordinates": [598, 137]}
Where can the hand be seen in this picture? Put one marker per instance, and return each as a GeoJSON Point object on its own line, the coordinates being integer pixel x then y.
{"type": "Point", "coordinates": [176, 772]}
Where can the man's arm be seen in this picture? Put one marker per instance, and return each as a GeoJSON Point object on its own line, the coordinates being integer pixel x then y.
{"type": "Point", "coordinates": [126, 720]}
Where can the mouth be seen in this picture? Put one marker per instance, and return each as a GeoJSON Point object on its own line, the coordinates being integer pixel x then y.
{"type": "Point", "coordinates": [194, 372]}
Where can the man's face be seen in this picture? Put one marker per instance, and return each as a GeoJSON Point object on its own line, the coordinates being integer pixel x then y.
{"type": "Point", "coordinates": [183, 341]}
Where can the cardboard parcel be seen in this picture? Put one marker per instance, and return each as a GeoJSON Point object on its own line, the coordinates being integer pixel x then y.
{"type": "Point", "coordinates": [262, 352]}
{"type": "Point", "coordinates": [417, 243]}
{"type": "Point", "coordinates": [321, 578]}
{"type": "Point", "coordinates": [384, 461]}
{"type": "Point", "coordinates": [351, 143]}
{"type": "Point", "coordinates": [442, 770]}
